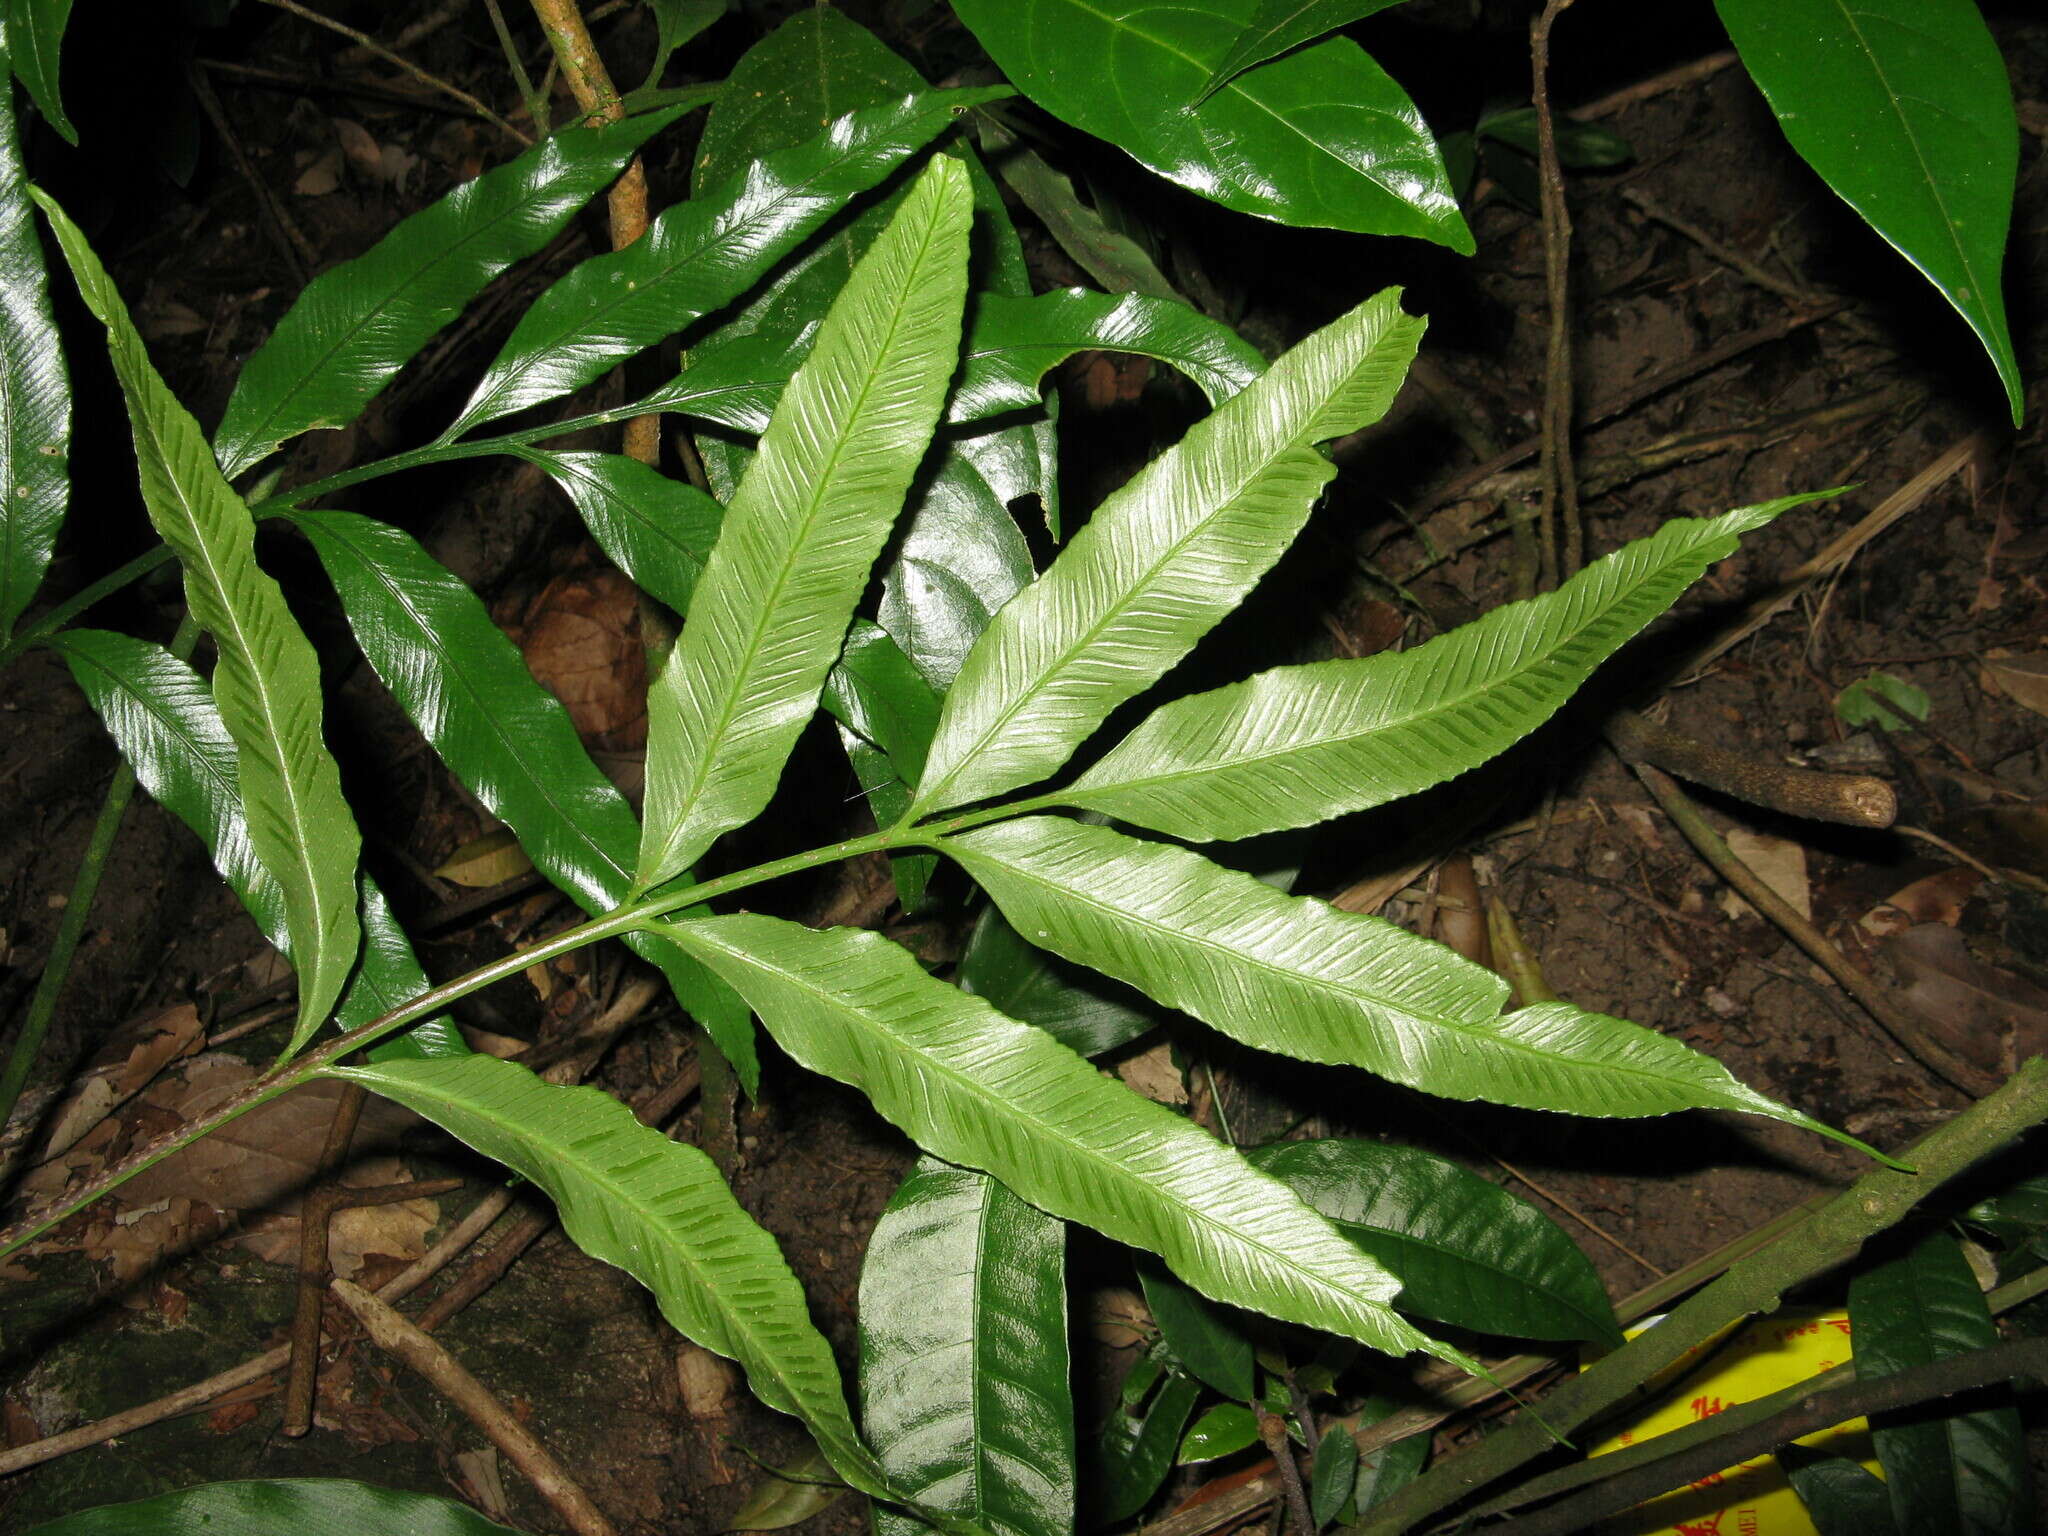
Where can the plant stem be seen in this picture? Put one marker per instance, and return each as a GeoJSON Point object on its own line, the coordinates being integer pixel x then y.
{"type": "Point", "coordinates": [83, 599]}
{"type": "Point", "coordinates": [1830, 1236]}
{"type": "Point", "coordinates": [78, 907]}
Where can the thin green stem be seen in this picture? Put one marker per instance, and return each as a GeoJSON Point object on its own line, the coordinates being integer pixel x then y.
{"type": "Point", "coordinates": [83, 599]}
{"type": "Point", "coordinates": [78, 907]}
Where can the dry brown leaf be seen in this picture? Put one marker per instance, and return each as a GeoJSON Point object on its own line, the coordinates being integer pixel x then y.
{"type": "Point", "coordinates": [1936, 898]}
{"type": "Point", "coordinates": [321, 177]}
{"type": "Point", "coordinates": [581, 639]}
{"type": "Point", "coordinates": [1779, 863]}
{"type": "Point", "coordinates": [1986, 1014]}
{"type": "Point", "coordinates": [364, 156]}
{"type": "Point", "coordinates": [2023, 679]}
{"type": "Point", "coordinates": [491, 859]}
{"type": "Point", "coordinates": [1152, 1073]}
{"type": "Point", "coordinates": [122, 1067]}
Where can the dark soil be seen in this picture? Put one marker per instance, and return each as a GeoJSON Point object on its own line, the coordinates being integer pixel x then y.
{"type": "Point", "coordinates": [1622, 914]}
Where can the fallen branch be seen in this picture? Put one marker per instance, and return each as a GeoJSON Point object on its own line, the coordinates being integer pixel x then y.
{"type": "Point", "coordinates": [1847, 799]}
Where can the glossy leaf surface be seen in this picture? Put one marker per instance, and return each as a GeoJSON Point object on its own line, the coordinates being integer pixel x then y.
{"type": "Point", "coordinates": [1298, 745]}
{"type": "Point", "coordinates": [357, 324]}
{"type": "Point", "coordinates": [1843, 1497]}
{"type": "Point", "coordinates": [161, 715]}
{"type": "Point", "coordinates": [963, 1355]}
{"type": "Point", "coordinates": [876, 691]}
{"type": "Point", "coordinates": [1332, 1476]}
{"type": "Point", "coordinates": [1947, 1470]}
{"type": "Point", "coordinates": [659, 1210]}
{"type": "Point", "coordinates": [1278, 25]}
{"type": "Point", "coordinates": [35, 387]}
{"type": "Point", "coordinates": [1082, 1009]}
{"type": "Point", "coordinates": [1905, 109]}
{"type": "Point", "coordinates": [303, 1506]}
{"type": "Point", "coordinates": [657, 530]}
{"type": "Point", "coordinates": [1298, 976]}
{"type": "Point", "coordinates": [1014, 343]}
{"type": "Point", "coordinates": [1467, 1252]}
{"type": "Point", "coordinates": [1162, 560]}
{"type": "Point", "coordinates": [510, 742]}
{"type": "Point", "coordinates": [985, 1091]}
{"type": "Point", "coordinates": [1107, 254]}
{"type": "Point", "coordinates": [1134, 1452]}
{"type": "Point", "coordinates": [267, 682]}
{"type": "Point", "coordinates": [35, 39]}
{"type": "Point", "coordinates": [803, 529]}
{"type": "Point", "coordinates": [1200, 1334]}
{"type": "Point", "coordinates": [1321, 137]}
{"type": "Point", "coordinates": [1224, 1430]}
{"type": "Point", "coordinates": [701, 254]}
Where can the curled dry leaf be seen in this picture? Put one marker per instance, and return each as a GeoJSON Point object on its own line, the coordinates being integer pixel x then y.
{"type": "Point", "coordinates": [1935, 898]}
{"type": "Point", "coordinates": [580, 635]}
{"type": "Point", "coordinates": [2023, 679]}
{"type": "Point", "coordinates": [1987, 1014]}
{"type": "Point", "coordinates": [1779, 863]}
{"type": "Point", "coordinates": [126, 1064]}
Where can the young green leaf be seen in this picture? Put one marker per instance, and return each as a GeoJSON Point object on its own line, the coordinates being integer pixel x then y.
{"type": "Point", "coordinates": [803, 529]}
{"type": "Point", "coordinates": [658, 1210]}
{"type": "Point", "coordinates": [963, 1355]}
{"type": "Point", "coordinates": [1467, 1252]}
{"type": "Point", "coordinates": [34, 41]}
{"type": "Point", "coordinates": [657, 530]}
{"type": "Point", "coordinates": [1321, 137]}
{"type": "Point", "coordinates": [1012, 344]}
{"type": "Point", "coordinates": [701, 254]}
{"type": "Point", "coordinates": [35, 388]}
{"type": "Point", "coordinates": [267, 683]}
{"type": "Point", "coordinates": [357, 324]}
{"type": "Point", "coordinates": [1278, 25]}
{"type": "Point", "coordinates": [321, 1506]}
{"type": "Point", "coordinates": [1905, 109]}
{"type": "Point", "coordinates": [1947, 1468]}
{"type": "Point", "coordinates": [161, 715]}
{"type": "Point", "coordinates": [505, 737]}
{"type": "Point", "coordinates": [1298, 745]}
{"type": "Point", "coordinates": [1134, 1452]}
{"type": "Point", "coordinates": [1162, 560]}
{"type": "Point", "coordinates": [979, 1089]}
{"type": "Point", "coordinates": [1297, 976]}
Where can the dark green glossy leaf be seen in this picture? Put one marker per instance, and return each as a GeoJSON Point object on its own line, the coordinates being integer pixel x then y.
{"type": "Point", "coordinates": [675, 23]}
{"type": "Point", "coordinates": [657, 530]}
{"type": "Point", "coordinates": [267, 682]}
{"type": "Point", "coordinates": [35, 37]}
{"type": "Point", "coordinates": [1131, 1457]}
{"type": "Point", "coordinates": [735, 380]}
{"type": "Point", "coordinates": [1278, 25]}
{"type": "Point", "coordinates": [888, 798]}
{"type": "Point", "coordinates": [1298, 745]}
{"type": "Point", "coordinates": [161, 715]}
{"type": "Point", "coordinates": [1300, 977]}
{"type": "Point", "coordinates": [1321, 137]}
{"type": "Point", "coordinates": [2016, 1213]}
{"type": "Point", "coordinates": [357, 324]}
{"type": "Point", "coordinates": [466, 687]}
{"type": "Point", "coordinates": [659, 1210]}
{"type": "Point", "coordinates": [1386, 1471]}
{"type": "Point", "coordinates": [959, 560]}
{"type": "Point", "coordinates": [303, 1506]}
{"type": "Point", "coordinates": [1162, 561]}
{"type": "Point", "coordinates": [1332, 1476]}
{"type": "Point", "coordinates": [982, 1090]}
{"type": "Point", "coordinates": [35, 388]}
{"type": "Point", "coordinates": [1467, 1252]}
{"type": "Point", "coordinates": [963, 1355]}
{"type": "Point", "coordinates": [1580, 146]}
{"type": "Point", "coordinates": [1108, 255]}
{"type": "Point", "coordinates": [1946, 1470]}
{"type": "Point", "coordinates": [1905, 109]}
{"type": "Point", "coordinates": [1844, 1498]}
{"type": "Point", "coordinates": [1202, 1336]}
{"type": "Point", "coordinates": [803, 530]}
{"type": "Point", "coordinates": [1082, 1009]}
{"type": "Point", "coordinates": [1014, 343]}
{"type": "Point", "coordinates": [1224, 1430]}
{"type": "Point", "coordinates": [876, 691]}
{"type": "Point", "coordinates": [701, 254]}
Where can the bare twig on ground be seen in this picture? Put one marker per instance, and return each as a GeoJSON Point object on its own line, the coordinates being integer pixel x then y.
{"type": "Point", "coordinates": [316, 1216]}
{"type": "Point", "coordinates": [1905, 1030]}
{"type": "Point", "coordinates": [1656, 85]}
{"type": "Point", "coordinates": [370, 45]}
{"type": "Point", "coordinates": [397, 1335]}
{"type": "Point", "coordinates": [1561, 533]}
{"type": "Point", "coordinates": [1847, 799]}
{"type": "Point", "coordinates": [196, 1396]}
{"type": "Point", "coordinates": [300, 254]}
